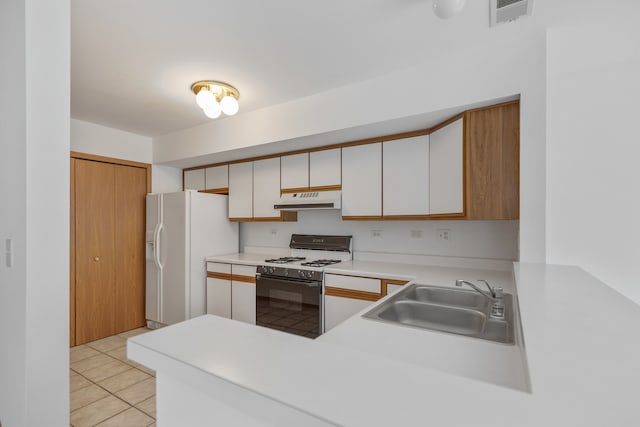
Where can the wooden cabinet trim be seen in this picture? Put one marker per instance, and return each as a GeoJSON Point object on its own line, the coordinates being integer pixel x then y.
{"type": "Point", "coordinates": [352, 294]}
{"type": "Point", "coordinates": [242, 278]}
{"type": "Point", "coordinates": [385, 282]}
{"type": "Point", "coordinates": [216, 191]}
{"type": "Point", "coordinates": [216, 275]}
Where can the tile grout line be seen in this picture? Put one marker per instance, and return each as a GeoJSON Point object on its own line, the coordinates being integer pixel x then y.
{"type": "Point", "coordinates": [113, 394]}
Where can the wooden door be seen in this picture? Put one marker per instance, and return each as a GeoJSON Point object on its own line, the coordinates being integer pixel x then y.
{"type": "Point", "coordinates": [107, 268]}
{"type": "Point", "coordinates": [95, 250]}
{"type": "Point", "coordinates": [72, 255]}
{"type": "Point", "coordinates": [130, 208]}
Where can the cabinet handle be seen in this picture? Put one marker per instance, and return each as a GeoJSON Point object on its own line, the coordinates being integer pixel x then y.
{"type": "Point", "coordinates": [96, 259]}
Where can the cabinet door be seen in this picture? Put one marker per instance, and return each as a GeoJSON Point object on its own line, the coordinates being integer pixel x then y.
{"type": "Point", "coordinates": [294, 171]}
{"type": "Point", "coordinates": [405, 184]}
{"type": "Point", "coordinates": [339, 309]}
{"type": "Point", "coordinates": [392, 289]}
{"type": "Point", "coordinates": [266, 187]}
{"type": "Point", "coordinates": [243, 302]}
{"type": "Point", "coordinates": [325, 168]}
{"type": "Point", "coordinates": [95, 250]}
{"type": "Point", "coordinates": [219, 297]}
{"type": "Point", "coordinates": [216, 177]}
{"type": "Point", "coordinates": [241, 190]}
{"type": "Point", "coordinates": [194, 180]}
{"type": "Point", "coordinates": [362, 180]}
{"type": "Point", "coordinates": [446, 170]}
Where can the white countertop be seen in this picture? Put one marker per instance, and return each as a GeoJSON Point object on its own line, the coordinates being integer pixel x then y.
{"type": "Point", "coordinates": [244, 258]}
{"type": "Point", "coordinates": [582, 349]}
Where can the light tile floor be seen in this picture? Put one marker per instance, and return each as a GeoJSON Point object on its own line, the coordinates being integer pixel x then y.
{"type": "Point", "coordinates": [107, 389]}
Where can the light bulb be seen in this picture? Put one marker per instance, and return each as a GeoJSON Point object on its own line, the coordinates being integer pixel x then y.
{"type": "Point", "coordinates": [214, 111]}
{"type": "Point", "coordinates": [205, 99]}
{"type": "Point", "coordinates": [446, 9]}
{"type": "Point", "coordinates": [229, 105]}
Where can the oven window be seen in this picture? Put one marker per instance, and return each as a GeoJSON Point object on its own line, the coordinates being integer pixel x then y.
{"type": "Point", "coordinates": [288, 307]}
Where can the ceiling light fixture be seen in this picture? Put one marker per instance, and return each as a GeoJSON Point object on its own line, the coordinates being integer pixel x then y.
{"type": "Point", "coordinates": [216, 98]}
{"type": "Point", "coordinates": [446, 9]}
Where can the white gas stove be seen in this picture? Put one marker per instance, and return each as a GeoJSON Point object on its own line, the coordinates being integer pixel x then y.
{"type": "Point", "coordinates": [289, 289]}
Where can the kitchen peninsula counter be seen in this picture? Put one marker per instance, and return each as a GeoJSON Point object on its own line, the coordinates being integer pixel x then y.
{"type": "Point", "coordinates": [581, 351]}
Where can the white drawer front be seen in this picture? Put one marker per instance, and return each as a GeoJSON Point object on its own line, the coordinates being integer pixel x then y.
{"type": "Point", "coordinates": [351, 282]}
{"type": "Point", "coordinates": [218, 267]}
{"type": "Point", "coordinates": [244, 270]}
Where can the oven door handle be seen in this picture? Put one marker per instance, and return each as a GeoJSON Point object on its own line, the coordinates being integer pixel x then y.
{"type": "Point", "coordinates": [308, 283]}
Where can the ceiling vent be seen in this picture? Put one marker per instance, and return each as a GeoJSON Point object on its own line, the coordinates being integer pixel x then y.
{"type": "Point", "coordinates": [509, 10]}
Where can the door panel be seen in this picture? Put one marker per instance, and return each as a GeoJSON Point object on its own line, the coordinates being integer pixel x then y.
{"type": "Point", "coordinates": [130, 191]}
{"type": "Point", "coordinates": [152, 273]}
{"type": "Point", "coordinates": [72, 255]}
{"type": "Point", "coordinates": [173, 257]}
{"type": "Point", "coordinates": [95, 248]}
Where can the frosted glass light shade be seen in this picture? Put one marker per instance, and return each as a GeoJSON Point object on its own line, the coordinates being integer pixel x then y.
{"type": "Point", "coordinates": [214, 111]}
{"type": "Point", "coordinates": [446, 9]}
{"type": "Point", "coordinates": [229, 105]}
{"type": "Point", "coordinates": [205, 99]}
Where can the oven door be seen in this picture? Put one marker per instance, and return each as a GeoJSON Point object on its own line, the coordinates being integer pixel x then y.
{"type": "Point", "coordinates": [289, 305]}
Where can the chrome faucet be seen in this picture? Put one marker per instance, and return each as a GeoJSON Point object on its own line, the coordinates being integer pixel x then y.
{"type": "Point", "coordinates": [495, 295]}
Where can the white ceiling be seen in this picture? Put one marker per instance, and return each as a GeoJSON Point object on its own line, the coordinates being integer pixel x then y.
{"type": "Point", "coordinates": [133, 62]}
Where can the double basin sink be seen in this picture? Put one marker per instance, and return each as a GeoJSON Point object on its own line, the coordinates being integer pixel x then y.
{"type": "Point", "coordinates": [452, 310]}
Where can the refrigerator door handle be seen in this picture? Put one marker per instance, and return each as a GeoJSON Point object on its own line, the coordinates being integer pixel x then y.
{"type": "Point", "coordinates": [156, 246]}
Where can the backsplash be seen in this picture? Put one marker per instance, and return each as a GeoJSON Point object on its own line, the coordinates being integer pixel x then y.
{"type": "Point", "coordinates": [472, 239]}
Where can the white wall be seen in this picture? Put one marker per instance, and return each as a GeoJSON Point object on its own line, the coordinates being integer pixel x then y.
{"type": "Point", "coordinates": [507, 60]}
{"type": "Point", "coordinates": [100, 140]}
{"type": "Point", "coordinates": [165, 179]}
{"type": "Point", "coordinates": [34, 194]}
{"type": "Point", "coordinates": [109, 142]}
{"type": "Point", "coordinates": [593, 184]}
{"type": "Point", "coordinates": [472, 239]}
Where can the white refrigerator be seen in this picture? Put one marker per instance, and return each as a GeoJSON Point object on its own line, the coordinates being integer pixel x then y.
{"type": "Point", "coordinates": [182, 229]}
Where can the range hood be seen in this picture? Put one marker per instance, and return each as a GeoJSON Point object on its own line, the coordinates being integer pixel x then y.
{"type": "Point", "coordinates": [309, 200]}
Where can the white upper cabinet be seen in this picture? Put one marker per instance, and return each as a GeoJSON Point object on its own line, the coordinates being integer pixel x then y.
{"type": "Point", "coordinates": [266, 187]}
{"type": "Point", "coordinates": [446, 169]}
{"type": "Point", "coordinates": [216, 177]}
{"type": "Point", "coordinates": [325, 168]}
{"type": "Point", "coordinates": [405, 184]}
{"type": "Point", "coordinates": [194, 180]}
{"type": "Point", "coordinates": [241, 190]}
{"type": "Point", "coordinates": [362, 180]}
{"type": "Point", "coordinates": [294, 171]}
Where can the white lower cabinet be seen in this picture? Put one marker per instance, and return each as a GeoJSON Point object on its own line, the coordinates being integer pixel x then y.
{"type": "Point", "coordinates": [219, 297]}
{"type": "Point", "coordinates": [339, 309]}
{"type": "Point", "coordinates": [392, 289]}
{"type": "Point", "coordinates": [233, 293]}
{"type": "Point", "coordinates": [243, 301]}
{"type": "Point", "coordinates": [243, 293]}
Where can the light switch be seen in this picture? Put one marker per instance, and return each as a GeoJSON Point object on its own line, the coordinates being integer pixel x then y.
{"type": "Point", "coordinates": [9, 254]}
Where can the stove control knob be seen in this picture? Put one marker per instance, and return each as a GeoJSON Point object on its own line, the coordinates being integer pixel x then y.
{"type": "Point", "coordinates": [272, 270]}
{"type": "Point", "coordinates": [309, 274]}
{"type": "Point", "coordinates": [301, 273]}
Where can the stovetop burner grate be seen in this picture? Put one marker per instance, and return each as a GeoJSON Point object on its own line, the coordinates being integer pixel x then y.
{"type": "Point", "coordinates": [321, 262]}
{"type": "Point", "coordinates": [285, 260]}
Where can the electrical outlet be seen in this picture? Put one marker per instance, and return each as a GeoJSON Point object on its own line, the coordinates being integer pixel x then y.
{"type": "Point", "coordinates": [416, 234]}
{"type": "Point", "coordinates": [376, 233]}
{"type": "Point", "coordinates": [274, 231]}
{"type": "Point", "coordinates": [444, 234]}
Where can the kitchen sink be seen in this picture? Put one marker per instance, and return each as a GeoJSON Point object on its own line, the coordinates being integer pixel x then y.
{"type": "Point", "coordinates": [451, 310]}
{"type": "Point", "coordinates": [448, 296]}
